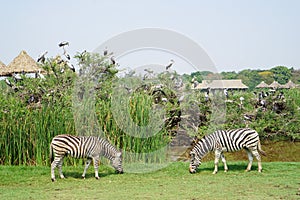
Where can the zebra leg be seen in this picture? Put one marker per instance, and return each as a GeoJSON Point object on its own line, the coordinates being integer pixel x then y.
{"type": "Point", "coordinates": [250, 157]}
{"type": "Point", "coordinates": [53, 166]}
{"type": "Point", "coordinates": [217, 157]}
{"type": "Point", "coordinates": [60, 163]}
{"type": "Point", "coordinates": [224, 162]}
{"type": "Point", "coordinates": [96, 160]}
{"type": "Point", "coordinates": [87, 164]}
{"type": "Point", "coordinates": [257, 156]}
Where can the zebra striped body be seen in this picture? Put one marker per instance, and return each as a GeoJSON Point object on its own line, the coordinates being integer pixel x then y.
{"type": "Point", "coordinates": [90, 147]}
{"type": "Point", "coordinates": [227, 141]}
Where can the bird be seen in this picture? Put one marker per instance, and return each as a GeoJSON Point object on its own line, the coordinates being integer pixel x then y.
{"type": "Point", "coordinates": [66, 54]}
{"type": "Point", "coordinates": [17, 77]}
{"type": "Point", "coordinates": [71, 66]}
{"type": "Point", "coordinates": [8, 82]}
{"type": "Point", "coordinates": [64, 43]}
{"type": "Point", "coordinates": [113, 61]}
{"type": "Point", "coordinates": [169, 65]}
{"type": "Point", "coordinates": [226, 92]}
{"type": "Point", "coordinates": [105, 51]}
{"type": "Point", "coordinates": [40, 75]}
{"type": "Point", "coordinates": [42, 57]}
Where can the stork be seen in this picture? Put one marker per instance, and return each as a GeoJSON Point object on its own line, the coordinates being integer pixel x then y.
{"type": "Point", "coordinates": [169, 65]}
{"type": "Point", "coordinates": [66, 54]}
{"type": "Point", "coordinates": [71, 66]}
{"type": "Point", "coordinates": [8, 82]}
{"type": "Point", "coordinates": [42, 57]}
{"type": "Point", "coordinates": [105, 51]}
{"type": "Point", "coordinates": [40, 75]}
{"type": "Point", "coordinates": [113, 61]}
{"type": "Point", "coordinates": [63, 43]}
{"type": "Point", "coordinates": [17, 77]}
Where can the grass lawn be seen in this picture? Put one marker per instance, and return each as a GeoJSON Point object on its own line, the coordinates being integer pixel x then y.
{"type": "Point", "coordinates": [279, 180]}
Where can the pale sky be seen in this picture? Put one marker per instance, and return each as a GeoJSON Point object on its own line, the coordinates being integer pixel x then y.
{"type": "Point", "coordinates": [236, 34]}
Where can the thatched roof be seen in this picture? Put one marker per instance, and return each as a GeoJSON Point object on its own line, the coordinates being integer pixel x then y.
{"type": "Point", "coordinates": [275, 84]}
{"type": "Point", "coordinates": [2, 65]}
{"type": "Point", "coordinates": [262, 85]}
{"type": "Point", "coordinates": [22, 63]}
{"type": "Point", "coordinates": [222, 84]}
{"type": "Point", "coordinates": [289, 84]}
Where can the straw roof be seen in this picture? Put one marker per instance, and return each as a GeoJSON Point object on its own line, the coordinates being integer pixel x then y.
{"type": "Point", "coordinates": [275, 84]}
{"type": "Point", "coordinates": [289, 84]}
{"type": "Point", "coordinates": [2, 65]}
{"type": "Point", "coordinates": [22, 63]}
{"type": "Point", "coordinates": [262, 85]}
{"type": "Point", "coordinates": [222, 84]}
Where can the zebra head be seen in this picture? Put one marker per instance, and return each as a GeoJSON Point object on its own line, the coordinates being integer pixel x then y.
{"type": "Point", "coordinates": [117, 162]}
{"type": "Point", "coordinates": [195, 162]}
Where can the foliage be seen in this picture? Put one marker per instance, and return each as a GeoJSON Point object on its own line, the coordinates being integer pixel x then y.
{"type": "Point", "coordinates": [33, 111]}
{"type": "Point", "coordinates": [281, 74]}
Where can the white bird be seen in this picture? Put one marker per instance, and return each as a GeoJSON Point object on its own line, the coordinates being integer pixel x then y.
{"type": "Point", "coordinates": [71, 66]}
{"type": "Point", "coordinates": [42, 57]}
{"type": "Point", "coordinates": [17, 77]}
{"type": "Point", "coordinates": [168, 66]}
{"type": "Point", "coordinates": [40, 75]}
{"type": "Point", "coordinates": [8, 82]}
{"type": "Point", "coordinates": [66, 54]}
{"type": "Point", "coordinates": [113, 60]}
{"type": "Point", "coordinates": [64, 43]}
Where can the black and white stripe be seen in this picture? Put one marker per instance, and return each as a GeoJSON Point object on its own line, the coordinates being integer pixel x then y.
{"type": "Point", "coordinates": [90, 147]}
{"type": "Point", "coordinates": [227, 141]}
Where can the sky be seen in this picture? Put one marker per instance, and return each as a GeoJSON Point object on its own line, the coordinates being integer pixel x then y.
{"type": "Point", "coordinates": [235, 34]}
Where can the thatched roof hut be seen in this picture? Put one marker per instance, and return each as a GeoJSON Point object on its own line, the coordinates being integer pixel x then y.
{"type": "Point", "coordinates": [289, 84]}
{"type": "Point", "coordinates": [275, 84]}
{"type": "Point", "coordinates": [222, 84]}
{"type": "Point", "coordinates": [262, 85]}
{"type": "Point", "coordinates": [2, 65]}
{"type": "Point", "coordinates": [23, 63]}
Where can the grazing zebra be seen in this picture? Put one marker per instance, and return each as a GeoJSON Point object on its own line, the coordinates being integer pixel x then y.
{"type": "Point", "coordinates": [230, 141]}
{"type": "Point", "coordinates": [90, 147]}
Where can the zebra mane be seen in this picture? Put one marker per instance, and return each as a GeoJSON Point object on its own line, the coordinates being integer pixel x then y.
{"type": "Point", "coordinates": [202, 147]}
{"type": "Point", "coordinates": [109, 151]}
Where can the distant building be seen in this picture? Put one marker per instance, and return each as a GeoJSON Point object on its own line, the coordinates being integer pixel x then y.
{"type": "Point", "coordinates": [289, 85]}
{"type": "Point", "coordinates": [232, 84]}
{"type": "Point", "coordinates": [276, 85]}
{"type": "Point", "coordinates": [262, 85]}
{"type": "Point", "coordinates": [23, 63]}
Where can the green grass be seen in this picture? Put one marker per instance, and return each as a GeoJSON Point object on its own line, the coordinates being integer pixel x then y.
{"type": "Point", "coordinates": [279, 180]}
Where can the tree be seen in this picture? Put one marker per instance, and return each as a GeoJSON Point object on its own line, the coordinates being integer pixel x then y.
{"type": "Point", "coordinates": [281, 74]}
{"type": "Point", "coordinates": [249, 77]}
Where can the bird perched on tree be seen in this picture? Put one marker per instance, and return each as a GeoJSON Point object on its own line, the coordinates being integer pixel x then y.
{"type": "Point", "coordinates": [105, 51]}
{"type": "Point", "coordinates": [71, 66]}
{"type": "Point", "coordinates": [42, 57]}
{"type": "Point", "coordinates": [8, 82]}
{"type": "Point", "coordinates": [64, 43]}
{"type": "Point", "coordinates": [112, 59]}
{"type": "Point", "coordinates": [169, 65]}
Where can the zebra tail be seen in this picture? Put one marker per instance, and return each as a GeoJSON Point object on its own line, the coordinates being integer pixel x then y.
{"type": "Point", "coordinates": [260, 150]}
{"type": "Point", "coordinates": [51, 154]}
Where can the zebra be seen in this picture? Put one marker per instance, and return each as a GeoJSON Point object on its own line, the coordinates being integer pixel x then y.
{"type": "Point", "coordinates": [90, 147]}
{"type": "Point", "coordinates": [227, 140]}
